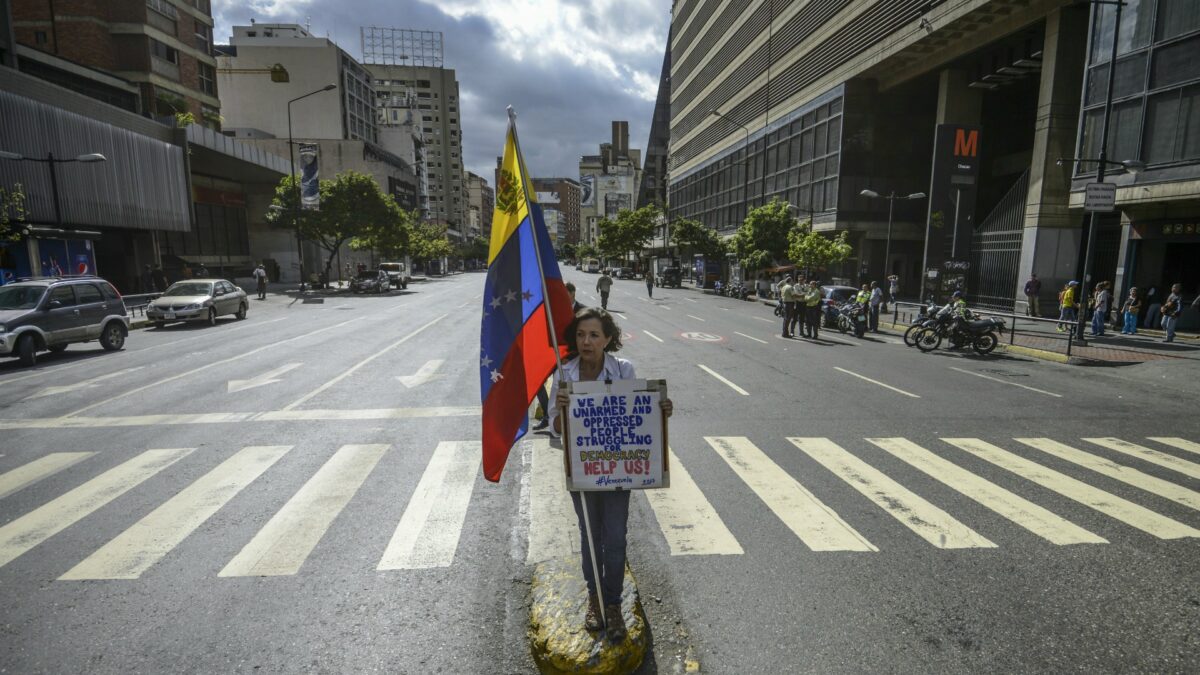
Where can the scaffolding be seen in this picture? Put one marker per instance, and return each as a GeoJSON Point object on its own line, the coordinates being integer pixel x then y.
{"type": "Point", "coordinates": [401, 47]}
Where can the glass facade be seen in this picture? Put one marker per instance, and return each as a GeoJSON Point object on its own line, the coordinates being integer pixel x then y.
{"type": "Point", "coordinates": [219, 231]}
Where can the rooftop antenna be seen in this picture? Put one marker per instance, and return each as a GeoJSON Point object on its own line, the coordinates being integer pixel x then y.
{"type": "Point", "coordinates": [308, 24]}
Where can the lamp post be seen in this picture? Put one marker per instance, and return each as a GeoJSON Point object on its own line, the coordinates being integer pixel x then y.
{"type": "Point", "coordinates": [295, 186]}
{"type": "Point", "coordinates": [745, 162]}
{"type": "Point", "coordinates": [50, 160]}
{"type": "Point", "coordinates": [887, 249]}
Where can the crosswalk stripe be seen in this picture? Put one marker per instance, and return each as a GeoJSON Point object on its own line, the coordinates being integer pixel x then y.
{"type": "Point", "coordinates": [1021, 511]}
{"type": "Point", "coordinates": [429, 530]}
{"type": "Point", "coordinates": [928, 521]}
{"type": "Point", "coordinates": [553, 531]}
{"type": "Point", "coordinates": [136, 549]}
{"type": "Point", "coordinates": [688, 521]}
{"type": "Point", "coordinates": [1153, 456]}
{"type": "Point", "coordinates": [283, 544]}
{"type": "Point", "coordinates": [817, 525]}
{"type": "Point", "coordinates": [48, 520]}
{"type": "Point", "coordinates": [1125, 474]}
{"type": "Point", "coordinates": [1180, 443]}
{"type": "Point", "coordinates": [1107, 503]}
{"type": "Point", "coordinates": [42, 467]}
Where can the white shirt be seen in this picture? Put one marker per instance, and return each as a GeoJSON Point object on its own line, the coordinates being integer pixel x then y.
{"type": "Point", "coordinates": [614, 369]}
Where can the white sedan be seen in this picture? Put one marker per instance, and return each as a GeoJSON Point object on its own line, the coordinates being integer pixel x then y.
{"type": "Point", "coordinates": [198, 300]}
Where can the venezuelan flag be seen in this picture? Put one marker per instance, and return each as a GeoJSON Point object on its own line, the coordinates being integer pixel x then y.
{"type": "Point", "coordinates": [517, 355]}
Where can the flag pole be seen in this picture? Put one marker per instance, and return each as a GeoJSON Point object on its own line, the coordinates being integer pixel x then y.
{"type": "Point", "coordinates": [537, 252]}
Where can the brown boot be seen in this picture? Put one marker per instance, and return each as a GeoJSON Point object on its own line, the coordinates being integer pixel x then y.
{"type": "Point", "coordinates": [616, 623]}
{"type": "Point", "coordinates": [592, 620]}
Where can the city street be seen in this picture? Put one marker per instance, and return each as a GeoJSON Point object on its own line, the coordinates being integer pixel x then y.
{"type": "Point", "coordinates": [300, 491]}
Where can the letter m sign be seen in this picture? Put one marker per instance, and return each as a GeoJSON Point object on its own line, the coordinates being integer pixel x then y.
{"type": "Point", "coordinates": [966, 142]}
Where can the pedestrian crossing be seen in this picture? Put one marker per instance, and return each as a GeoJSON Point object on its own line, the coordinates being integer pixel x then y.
{"type": "Point", "coordinates": [890, 476]}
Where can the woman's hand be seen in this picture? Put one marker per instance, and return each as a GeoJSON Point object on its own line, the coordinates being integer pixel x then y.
{"type": "Point", "coordinates": [562, 400]}
{"type": "Point", "coordinates": [667, 406]}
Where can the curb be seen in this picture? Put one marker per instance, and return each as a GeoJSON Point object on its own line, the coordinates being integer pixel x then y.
{"type": "Point", "coordinates": [558, 640]}
{"type": "Point", "coordinates": [1041, 354]}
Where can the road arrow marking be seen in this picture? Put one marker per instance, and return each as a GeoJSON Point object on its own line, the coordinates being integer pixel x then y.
{"type": "Point", "coordinates": [85, 384]}
{"type": "Point", "coordinates": [270, 377]}
{"type": "Point", "coordinates": [425, 374]}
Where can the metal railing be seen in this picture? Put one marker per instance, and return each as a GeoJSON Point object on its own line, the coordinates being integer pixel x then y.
{"type": "Point", "coordinates": [907, 311]}
{"type": "Point", "coordinates": [138, 303]}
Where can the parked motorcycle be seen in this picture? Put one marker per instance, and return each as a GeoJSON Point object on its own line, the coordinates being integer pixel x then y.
{"type": "Point", "coordinates": [978, 334]}
{"type": "Point", "coordinates": [852, 317]}
{"type": "Point", "coordinates": [923, 315]}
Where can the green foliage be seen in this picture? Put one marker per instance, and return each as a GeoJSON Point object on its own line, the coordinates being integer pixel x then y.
{"type": "Point", "coordinates": [762, 240]}
{"type": "Point", "coordinates": [694, 237]}
{"type": "Point", "coordinates": [12, 211]}
{"type": "Point", "coordinates": [812, 250]}
{"type": "Point", "coordinates": [585, 251]}
{"type": "Point", "coordinates": [568, 251]}
{"type": "Point", "coordinates": [430, 242]}
{"type": "Point", "coordinates": [390, 238]}
{"type": "Point", "coordinates": [476, 248]}
{"type": "Point", "coordinates": [629, 233]}
{"type": "Point", "coordinates": [183, 119]}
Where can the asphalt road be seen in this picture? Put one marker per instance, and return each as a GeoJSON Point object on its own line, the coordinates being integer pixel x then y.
{"type": "Point", "coordinates": [300, 491]}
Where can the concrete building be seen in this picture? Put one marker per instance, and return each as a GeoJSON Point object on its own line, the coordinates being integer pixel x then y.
{"type": "Point", "coordinates": [160, 51]}
{"type": "Point", "coordinates": [608, 181]}
{"type": "Point", "coordinates": [563, 194]}
{"type": "Point", "coordinates": [817, 102]}
{"type": "Point", "coordinates": [481, 202]}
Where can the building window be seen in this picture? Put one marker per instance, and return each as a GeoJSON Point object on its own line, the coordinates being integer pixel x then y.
{"type": "Point", "coordinates": [1173, 126]}
{"type": "Point", "coordinates": [1176, 17]}
{"type": "Point", "coordinates": [208, 78]}
{"type": "Point", "coordinates": [203, 37]}
{"type": "Point", "coordinates": [169, 54]}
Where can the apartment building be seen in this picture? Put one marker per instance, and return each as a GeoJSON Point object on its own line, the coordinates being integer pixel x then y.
{"type": "Point", "coordinates": [608, 181]}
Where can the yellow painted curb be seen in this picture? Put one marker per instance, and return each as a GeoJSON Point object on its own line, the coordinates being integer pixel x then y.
{"type": "Point", "coordinates": [1037, 353]}
{"type": "Point", "coordinates": [558, 640]}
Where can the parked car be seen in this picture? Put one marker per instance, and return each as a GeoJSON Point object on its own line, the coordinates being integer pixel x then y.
{"type": "Point", "coordinates": [579, 266]}
{"type": "Point", "coordinates": [198, 300]}
{"type": "Point", "coordinates": [397, 274]}
{"type": "Point", "coordinates": [831, 297]}
{"type": "Point", "coordinates": [670, 277]}
{"type": "Point", "coordinates": [626, 273]}
{"type": "Point", "coordinates": [51, 313]}
{"type": "Point", "coordinates": [370, 281]}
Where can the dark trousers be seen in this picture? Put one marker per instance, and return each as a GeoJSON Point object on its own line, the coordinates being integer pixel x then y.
{"type": "Point", "coordinates": [874, 320]}
{"type": "Point", "coordinates": [608, 513]}
{"type": "Point", "coordinates": [603, 300]}
{"type": "Point", "coordinates": [789, 318]}
{"type": "Point", "coordinates": [812, 316]}
{"type": "Point", "coordinates": [650, 290]}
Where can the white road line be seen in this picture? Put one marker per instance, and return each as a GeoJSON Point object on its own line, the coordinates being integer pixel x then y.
{"type": "Point", "coordinates": [623, 317]}
{"type": "Point", "coordinates": [1109, 504]}
{"type": "Point", "coordinates": [928, 521]}
{"type": "Point", "coordinates": [1180, 443]}
{"type": "Point", "coordinates": [309, 415]}
{"type": "Point", "coordinates": [767, 320]}
{"type": "Point", "coordinates": [1015, 384]}
{"type": "Point", "coordinates": [38, 525]}
{"type": "Point", "coordinates": [663, 307]}
{"type": "Point", "coordinates": [553, 531]}
{"type": "Point", "coordinates": [352, 369]}
{"type": "Point", "coordinates": [146, 542]}
{"type": "Point", "coordinates": [652, 335]}
{"type": "Point", "coordinates": [172, 378]}
{"type": "Point", "coordinates": [285, 542]}
{"type": "Point", "coordinates": [1153, 456]}
{"type": "Point", "coordinates": [688, 521]}
{"type": "Point", "coordinates": [1019, 510]}
{"type": "Point", "coordinates": [42, 467]}
{"type": "Point", "coordinates": [817, 525]}
{"type": "Point", "coordinates": [643, 299]}
{"type": "Point", "coordinates": [723, 309]}
{"type": "Point", "coordinates": [691, 300]}
{"type": "Point", "coordinates": [885, 386]}
{"type": "Point", "coordinates": [732, 386]}
{"type": "Point", "coordinates": [695, 317]}
{"type": "Point", "coordinates": [432, 524]}
{"type": "Point", "coordinates": [1163, 488]}
{"type": "Point", "coordinates": [749, 337]}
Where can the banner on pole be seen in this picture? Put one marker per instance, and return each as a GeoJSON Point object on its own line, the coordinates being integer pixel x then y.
{"type": "Point", "coordinates": [310, 177]}
{"type": "Point", "coordinates": [615, 435]}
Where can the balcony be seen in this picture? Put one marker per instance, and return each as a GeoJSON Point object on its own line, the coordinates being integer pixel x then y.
{"type": "Point", "coordinates": [164, 68]}
{"type": "Point", "coordinates": [163, 7]}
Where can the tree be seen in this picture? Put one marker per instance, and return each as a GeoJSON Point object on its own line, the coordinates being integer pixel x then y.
{"type": "Point", "coordinates": [430, 242]}
{"type": "Point", "coordinates": [585, 251]}
{"type": "Point", "coordinates": [568, 251]}
{"type": "Point", "coordinates": [475, 249]}
{"type": "Point", "coordinates": [696, 238]}
{"type": "Point", "coordinates": [762, 240]}
{"type": "Point", "coordinates": [390, 238]}
{"type": "Point", "coordinates": [12, 210]}
{"type": "Point", "coordinates": [629, 233]}
{"type": "Point", "coordinates": [812, 250]}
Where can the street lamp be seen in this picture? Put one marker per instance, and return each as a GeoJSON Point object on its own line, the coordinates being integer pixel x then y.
{"type": "Point", "coordinates": [745, 161]}
{"type": "Point", "coordinates": [50, 160]}
{"type": "Point", "coordinates": [295, 186]}
{"type": "Point", "coordinates": [871, 194]}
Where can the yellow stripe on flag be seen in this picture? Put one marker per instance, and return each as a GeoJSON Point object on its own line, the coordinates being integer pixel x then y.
{"type": "Point", "coordinates": [511, 208]}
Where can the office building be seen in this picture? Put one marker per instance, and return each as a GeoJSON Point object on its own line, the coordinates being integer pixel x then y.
{"type": "Point", "coordinates": [608, 181]}
{"type": "Point", "coordinates": [563, 195]}
{"type": "Point", "coordinates": [481, 202]}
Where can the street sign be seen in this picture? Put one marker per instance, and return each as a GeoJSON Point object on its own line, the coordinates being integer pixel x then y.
{"type": "Point", "coordinates": [1100, 197]}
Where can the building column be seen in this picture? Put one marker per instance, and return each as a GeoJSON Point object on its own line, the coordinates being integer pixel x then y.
{"type": "Point", "coordinates": [1051, 240]}
{"type": "Point", "coordinates": [957, 103]}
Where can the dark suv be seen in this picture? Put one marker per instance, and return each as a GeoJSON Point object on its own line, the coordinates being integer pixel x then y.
{"type": "Point", "coordinates": [670, 276]}
{"type": "Point", "coordinates": [51, 313]}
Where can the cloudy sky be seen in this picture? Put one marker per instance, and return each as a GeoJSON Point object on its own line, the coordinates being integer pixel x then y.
{"type": "Point", "coordinates": [569, 67]}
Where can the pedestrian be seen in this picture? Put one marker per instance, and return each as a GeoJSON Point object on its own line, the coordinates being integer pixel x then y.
{"type": "Point", "coordinates": [788, 296]}
{"type": "Point", "coordinates": [650, 285]}
{"type": "Point", "coordinates": [260, 278]}
{"type": "Point", "coordinates": [1033, 289]}
{"type": "Point", "coordinates": [592, 336]}
{"type": "Point", "coordinates": [1101, 300]}
{"type": "Point", "coordinates": [894, 288]}
{"type": "Point", "coordinates": [812, 310]}
{"type": "Point", "coordinates": [202, 272]}
{"type": "Point", "coordinates": [1171, 310]}
{"type": "Point", "coordinates": [875, 301]}
{"type": "Point", "coordinates": [1067, 307]}
{"type": "Point", "coordinates": [603, 287]}
{"type": "Point", "coordinates": [160, 279]}
{"type": "Point", "coordinates": [1130, 310]}
{"type": "Point", "coordinates": [763, 288]}
{"type": "Point", "coordinates": [147, 280]}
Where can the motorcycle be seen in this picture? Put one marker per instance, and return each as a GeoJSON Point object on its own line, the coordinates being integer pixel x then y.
{"type": "Point", "coordinates": [923, 315]}
{"type": "Point", "coordinates": [852, 317]}
{"type": "Point", "coordinates": [978, 334]}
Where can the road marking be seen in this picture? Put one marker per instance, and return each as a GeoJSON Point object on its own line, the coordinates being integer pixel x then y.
{"type": "Point", "coordinates": [652, 335]}
{"type": "Point", "coordinates": [1017, 509]}
{"type": "Point", "coordinates": [1153, 456]}
{"type": "Point", "coordinates": [885, 386]}
{"type": "Point", "coordinates": [146, 542]}
{"type": "Point", "coordinates": [309, 415]}
{"type": "Point", "coordinates": [432, 524]}
{"type": "Point", "coordinates": [1180, 443]}
{"type": "Point", "coordinates": [732, 386]}
{"type": "Point", "coordinates": [1125, 474]}
{"type": "Point", "coordinates": [38, 525]}
{"type": "Point", "coordinates": [1015, 384]}
{"type": "Point", "coordinates": [425, 374]}
{"type": "Point", "coordinates": [688, 521]}
{"type": "Point", "coordinates": [285, 542]}
{"type": "Point", "coordinates": [172, 378]}
{"type": "Point", "coordinates": [817, 525]}
{"type": "Point", "coordinates": [691, 300]}
{"type": "Point", "coordinates": [553, 531]}
{"type": "Point", "coordinates": [42, 467]}
{"type": "Point", "coordinates": [663, 307]}
{"type": "Point", "coordinates": [352, 369]}
{"type": "Point", "coordinates": [762, 319]}
{"type": "Point", "coordinates": [1111, 505]}
{"type": "Point", "coordinates": [269, 377]}
{"type": "Point", "coordinates": [749, 337]}
{"type": "Point", "coordinates": [928, 521]}
{"type": "Point", "coordinates": [623, 317]}
{"type": "Point", "coordinates": [723, 309]}
{"type": "Point", "coordinates": [85, 384]}
{"type": "Point", "coordinates": [695, 317]}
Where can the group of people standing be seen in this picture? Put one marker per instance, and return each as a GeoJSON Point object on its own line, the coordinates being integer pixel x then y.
{"type": "Point", "coordinates": [1102, 302]}
{"type": "Point", "coordinates": [801, 306]}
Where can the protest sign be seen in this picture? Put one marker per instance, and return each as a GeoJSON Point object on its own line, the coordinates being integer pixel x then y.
{"type": "Point", "coordinates": [615, 435]}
